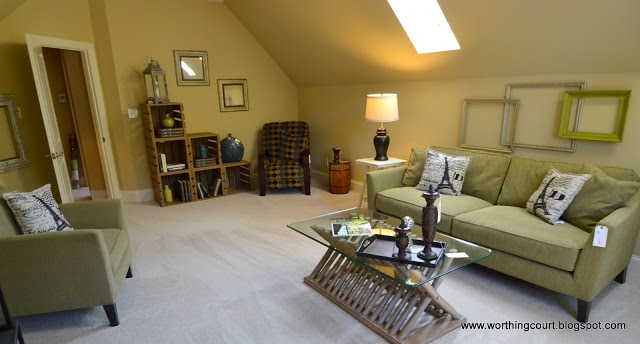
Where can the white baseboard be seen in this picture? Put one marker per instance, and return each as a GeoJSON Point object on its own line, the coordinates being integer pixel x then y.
{"type": "Point", "coordinates": [137, 196]}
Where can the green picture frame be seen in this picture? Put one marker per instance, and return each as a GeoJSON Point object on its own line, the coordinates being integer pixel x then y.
{"type": "Point", "coordinates": [600, 109]}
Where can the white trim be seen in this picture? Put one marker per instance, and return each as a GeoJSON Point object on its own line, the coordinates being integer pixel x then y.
{"type": "Point", "coordinates": [96, 100]}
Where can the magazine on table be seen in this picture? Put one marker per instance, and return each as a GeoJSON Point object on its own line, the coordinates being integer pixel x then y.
{"type": "Point", "coordinates": [350, 226]}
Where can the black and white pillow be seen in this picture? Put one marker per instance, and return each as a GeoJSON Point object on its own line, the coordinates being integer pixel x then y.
{"type": "Point", "coordinates": [37, 211]}
{"type": "Point", "coordinates": [444, 172]}
{"type": "Point", "coordinates": [555, 194]}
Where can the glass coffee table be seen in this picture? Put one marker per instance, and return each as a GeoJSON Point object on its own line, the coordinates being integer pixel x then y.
{"type": "Point", "coordinates": [396, 299]}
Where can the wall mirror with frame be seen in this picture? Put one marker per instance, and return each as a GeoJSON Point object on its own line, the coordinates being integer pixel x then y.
{"type": "Point", "coordinates": [192, 67]}
{"type": "Point", "coordinates": [232, 94]}
{"type": "Point", "coordinates": [12, 150]}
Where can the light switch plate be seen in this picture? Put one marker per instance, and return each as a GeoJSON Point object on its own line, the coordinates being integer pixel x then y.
{"type": "Point", "coordinates": [133, 113]}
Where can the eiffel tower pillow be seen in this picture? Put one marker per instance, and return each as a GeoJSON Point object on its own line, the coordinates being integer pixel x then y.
{"type": "Point", "coordinates": [37, 211]}
{"type": "Point", "coordinates": [444, 172]}
{"type": "Point", "coordinates": [555, 194]}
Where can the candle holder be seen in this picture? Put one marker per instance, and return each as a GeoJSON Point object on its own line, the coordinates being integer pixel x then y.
{"type": "Point", "coordinates": [429, 224]}
{"type": "Point", "coordinates": [402, 237]}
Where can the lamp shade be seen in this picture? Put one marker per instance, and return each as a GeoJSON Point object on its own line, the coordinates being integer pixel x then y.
{"type": "Point", "coordinates": [382, 107]}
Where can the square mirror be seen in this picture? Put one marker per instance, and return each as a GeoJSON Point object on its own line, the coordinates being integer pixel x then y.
{"type": "Point", "coordinates": [191, 67]}
{"type": "Point", "coordinates": [232, 94]}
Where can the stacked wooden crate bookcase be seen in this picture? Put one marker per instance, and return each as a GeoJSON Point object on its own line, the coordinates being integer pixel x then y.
{"type": "Point", "coordinates": [189, 164]}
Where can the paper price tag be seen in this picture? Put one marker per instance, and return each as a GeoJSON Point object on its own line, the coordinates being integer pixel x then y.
{"type": "Point", "coordinates": [457, 255]}
{"type": "Point", "coordinates": [600, 236]}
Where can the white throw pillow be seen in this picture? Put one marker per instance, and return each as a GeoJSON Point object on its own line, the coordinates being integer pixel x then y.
{"type": "Point", "coordinates": [37, 211]}
{"type": "Point", "coordinates": [555, 194]}
{"type": "Point", "coordinates": [444, 172]}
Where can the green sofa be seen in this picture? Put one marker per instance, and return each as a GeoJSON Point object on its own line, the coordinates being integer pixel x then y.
{"type": "Point", "coordinates": [66, 270]}
{"type": "Point", "coordinates": [491, 212]}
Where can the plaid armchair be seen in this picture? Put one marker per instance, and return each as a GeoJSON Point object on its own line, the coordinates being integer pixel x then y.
{"type": "Point", "coordinates": [284, 161]}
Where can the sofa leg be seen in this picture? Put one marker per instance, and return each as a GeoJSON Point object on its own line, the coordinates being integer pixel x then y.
{"type": "Point", "coordinates": [112, 314]}
{"type": "Point", "coordinates": [129, 273]}
{"type": "Point", "coordinates": [622, 276]}
{"type": "Point", "coordinates": [583, 310]}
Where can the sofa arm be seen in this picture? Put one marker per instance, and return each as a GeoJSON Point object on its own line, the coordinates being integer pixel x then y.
{"type": "Point", "coordinates": [104, 213]}
{"type": "Point", "coordinates": [381, 180]}
{"type": "Point", "coordinates": [597, 266]}
{"type": "Point", "coordinates": [53, 271]}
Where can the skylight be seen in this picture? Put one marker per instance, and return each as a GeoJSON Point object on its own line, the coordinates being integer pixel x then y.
{"type": "Point", "coordinates": [425, 24]}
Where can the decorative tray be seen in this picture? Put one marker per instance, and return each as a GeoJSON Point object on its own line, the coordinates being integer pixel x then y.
{"type": "Point", "coordinates": [384, 246]}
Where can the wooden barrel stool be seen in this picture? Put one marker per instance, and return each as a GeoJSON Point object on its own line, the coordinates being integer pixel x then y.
{"type": "Point", "coordinates": [339, 177]}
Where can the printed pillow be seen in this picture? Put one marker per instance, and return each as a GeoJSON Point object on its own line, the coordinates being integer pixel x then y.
{"type": "Point", "coordinates": [555, 194]}
{"type": "Point", "coordinates": [444, 172]}
{"type": "Point", "coordinates": [37, 211]}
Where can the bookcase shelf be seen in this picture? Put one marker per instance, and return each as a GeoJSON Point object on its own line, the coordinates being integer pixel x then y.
{"type": "Point", "coordinates": [202, 174]}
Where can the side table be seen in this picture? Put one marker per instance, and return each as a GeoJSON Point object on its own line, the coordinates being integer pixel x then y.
{"type": "Point", "coordinates": [371, 162]}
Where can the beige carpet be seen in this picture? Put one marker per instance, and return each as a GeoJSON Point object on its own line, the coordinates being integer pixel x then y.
{"type": "Point", "coordinates": [228, 270]}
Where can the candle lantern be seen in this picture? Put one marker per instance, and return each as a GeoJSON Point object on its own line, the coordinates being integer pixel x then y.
{"type": "Point", "coordinates": [155, 83]}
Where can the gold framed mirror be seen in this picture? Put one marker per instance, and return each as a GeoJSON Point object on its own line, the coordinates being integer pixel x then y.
{"type": "Point", "coordinates": [192, 67]}
{"type": "Point", "coordinates": [12, 151]}
{"type": "Point", "coordinates": [233, 95]}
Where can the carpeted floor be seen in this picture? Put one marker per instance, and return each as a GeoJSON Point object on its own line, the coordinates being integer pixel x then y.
{"type": "Point", "coordinates": [228, 270]}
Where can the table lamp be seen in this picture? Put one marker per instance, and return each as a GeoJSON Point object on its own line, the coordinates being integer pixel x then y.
{"type": "Point", "coordinates": [381, 107]}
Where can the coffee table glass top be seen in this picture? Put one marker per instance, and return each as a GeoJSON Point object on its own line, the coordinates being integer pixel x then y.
{"type": "Point", "coordinates": [459, 253]}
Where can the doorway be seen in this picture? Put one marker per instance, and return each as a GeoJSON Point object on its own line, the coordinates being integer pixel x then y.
{"type": "Point", "coordinates": [67, 72]}
{"type": "Point", "coordinates": [75, 122]}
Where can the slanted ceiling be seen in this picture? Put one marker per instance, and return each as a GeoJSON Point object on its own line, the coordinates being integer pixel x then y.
{"type": "Point", "coordinates": [335, 42]}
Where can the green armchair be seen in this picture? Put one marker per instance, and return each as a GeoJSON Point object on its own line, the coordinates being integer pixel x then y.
{"type": "Point", "coordinates": [66, 270]}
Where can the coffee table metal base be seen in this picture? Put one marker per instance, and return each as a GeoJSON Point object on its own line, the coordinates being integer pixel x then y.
{"type": "Point", "coordinates": [400, 314]}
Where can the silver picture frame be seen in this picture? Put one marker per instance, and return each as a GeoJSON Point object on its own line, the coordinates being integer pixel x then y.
{"type": "Point", "coordinates": [540, 107]}
{"type": "Point", "coordinates": [476, 131]}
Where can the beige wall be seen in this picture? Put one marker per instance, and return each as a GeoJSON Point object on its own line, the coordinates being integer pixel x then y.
{"type": "Point", "coordinates": [40, 17]}
{"type": "Point", "coordinates": [126, 35]}
{"type": "Point", "coordinates": [139, 30]}
{"type": "Point", "coordinates": [430, 114]}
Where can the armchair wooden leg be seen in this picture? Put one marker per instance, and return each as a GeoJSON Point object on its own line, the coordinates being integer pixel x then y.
{"type": "Point", "coordinates": [622, 276]}
{"type": "Point", "coordinates": [583, 310]}
{"type": "Point", "coordinates": [112, 314]}
{"type": "Point", "coordinates": [129, 273]}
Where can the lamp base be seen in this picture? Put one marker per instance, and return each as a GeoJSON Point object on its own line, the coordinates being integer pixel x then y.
{"type": "Point", "coordinates": [381, 144]}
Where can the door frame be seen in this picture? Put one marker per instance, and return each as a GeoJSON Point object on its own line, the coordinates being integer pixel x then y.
{"type": "Point", "coordinates": [35, 43]}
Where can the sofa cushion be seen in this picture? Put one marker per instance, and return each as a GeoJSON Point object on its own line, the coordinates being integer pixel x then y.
{"type": "Point", "coordinates": [415, 166]}
{"type": "Point", "coordinates": [599, 197]}
{"type": "Point", "coordinates": [443, 172]}
{"type": "Point", "coordinates": [36, 211]}
{"type": "Point", "coordinates": [555, 194]}
{"type": "Point", "coordinates": [407, 201]}
{"type": "Point", "coordinates": [513, 230]}
{"type": "Point", "coordinates": [524, 176]}
{"type": "Point", "coordinates": [485, 173]}
{"type": "Point", "coordinates": [8, 225]}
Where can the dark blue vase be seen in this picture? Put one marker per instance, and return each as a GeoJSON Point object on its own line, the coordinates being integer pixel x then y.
{"type": "Point", "coordinates": [232, 149]}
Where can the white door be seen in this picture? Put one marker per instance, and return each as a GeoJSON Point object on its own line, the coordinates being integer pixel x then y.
{"type": "Point", "coordinates": [35, 44]}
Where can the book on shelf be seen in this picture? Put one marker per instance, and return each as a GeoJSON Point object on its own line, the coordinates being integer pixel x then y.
{"type": "Point", "coordinates": [162, 162]}
{"type": "Point", "coordinates": [202, 192]}
{"type": "Point", "coordinates": [350, 226]}
{"type": "Point", "coordinates": [217, 182]}
{"type": "Point", "coordinates": [170, 167]}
